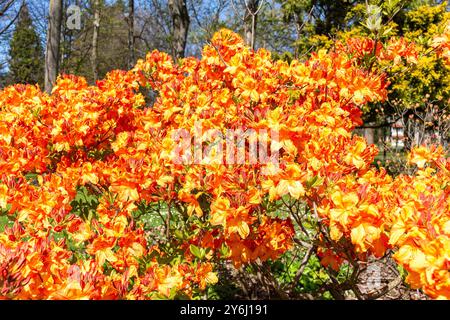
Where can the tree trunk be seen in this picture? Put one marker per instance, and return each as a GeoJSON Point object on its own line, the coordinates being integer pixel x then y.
{"type": "Point", "coordinates": [53, 44]}
{"type": "Point", "coordinates": [94, 61]}
{"type": "Point", "coordinates": [180, 20]}
{"type": "Point", "coordinates": [250, 20]}
{"type": "Point", "coordinates": [369, 135]}
{"type": "Point", "coordinates": [131, 39]}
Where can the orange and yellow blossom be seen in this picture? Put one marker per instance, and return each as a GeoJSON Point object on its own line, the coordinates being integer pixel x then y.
{"type": "Point", "coordinates": [115, 143]}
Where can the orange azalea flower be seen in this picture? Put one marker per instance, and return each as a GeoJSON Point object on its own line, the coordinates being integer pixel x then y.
{"type": "Point", "coordinates": [108, 139]}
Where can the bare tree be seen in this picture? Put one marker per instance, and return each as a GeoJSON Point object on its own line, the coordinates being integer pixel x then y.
{"type": "Point", "coordinates": [251, 15]}
{"type": "Point", "coordinates": [180, 21]}
{"type": "Point", "coordinates": [152, 27]}
{"type": "Point", "coordinates": [9, 13]}
{"type": "Point", "coordinates": [39, 12]}
{"type": "Point", "coordinates": [5, 6]}
{"type": "Point", "coordinates": [94, 55]}
{"type": "Point", "coordinates": [131, 36]}
{"type": "Point", "coordinates": [205, 21]}
{"type": "Point", "coordinates": [252, 8]}
{"type": "Point", "coordinates": [53, 44]}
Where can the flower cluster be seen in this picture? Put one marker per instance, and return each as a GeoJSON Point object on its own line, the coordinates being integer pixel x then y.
{"type": "Point", "coordinates": [82, 168]}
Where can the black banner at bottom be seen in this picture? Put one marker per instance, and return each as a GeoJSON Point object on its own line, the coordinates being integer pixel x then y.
{"type": "Point", "coordinates": [180, 309]}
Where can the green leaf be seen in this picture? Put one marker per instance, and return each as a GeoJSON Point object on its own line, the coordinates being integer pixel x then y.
{"type": "Point", "coordinates": [179, 234]}
{"type": "Point", "coordinates": [197, 252]}
{"type": "Point", "coordinates": [387, 31]}
{"type": "Point", "coordinates": [314, 182]}
{"type": "Point", "coordinates": [224, 250]}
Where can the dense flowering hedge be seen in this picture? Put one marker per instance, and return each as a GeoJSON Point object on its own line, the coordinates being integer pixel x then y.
{"type": "Point", "coordinates": [82, 166]}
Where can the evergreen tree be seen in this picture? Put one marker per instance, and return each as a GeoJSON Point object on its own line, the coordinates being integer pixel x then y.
{"type": "Point", "coordinates": [26, 62]}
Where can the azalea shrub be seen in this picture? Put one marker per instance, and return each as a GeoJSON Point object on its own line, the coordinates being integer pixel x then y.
{"type": "Point", "coordinates": [145, 184]}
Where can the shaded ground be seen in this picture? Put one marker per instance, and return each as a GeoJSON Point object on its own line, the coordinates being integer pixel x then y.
{"type": "Point", "coordinates": [382, 276]}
